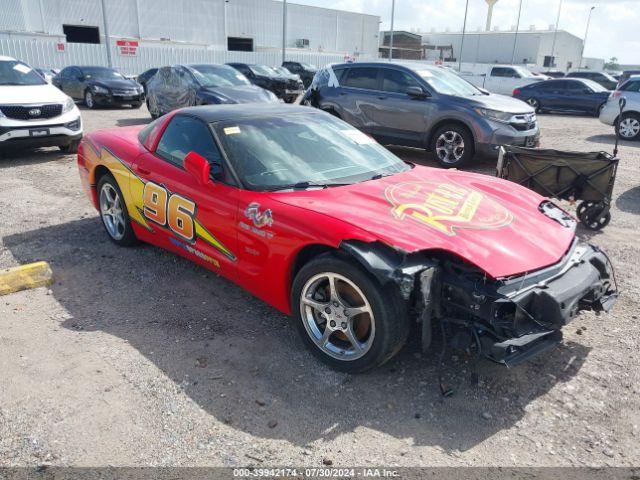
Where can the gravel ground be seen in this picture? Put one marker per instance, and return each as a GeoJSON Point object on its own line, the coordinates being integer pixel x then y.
{"type": "Point", "coordinates": [138, 357]}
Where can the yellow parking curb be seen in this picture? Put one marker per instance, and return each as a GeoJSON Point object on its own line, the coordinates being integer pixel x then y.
{"type": "Point", "coordinates": [33, 275]}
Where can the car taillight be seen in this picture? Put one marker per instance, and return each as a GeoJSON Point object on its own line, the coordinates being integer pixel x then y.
{"type": "Point", "coordinates": [516, 92]}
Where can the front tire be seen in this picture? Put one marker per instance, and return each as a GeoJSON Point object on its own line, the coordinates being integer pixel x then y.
{"type": "Point", "coordinates": [629, 127]}
{"type": "Point", "coordinates": [72, 147]}
{"type": "Point", "coordinates": [113, 212]}
{"type": "Point", "coordinates": [347, 319]}
{"type": "Point", "coordinates": [89, 101]}
{"type": "Point", "coordinates": [453, 145]}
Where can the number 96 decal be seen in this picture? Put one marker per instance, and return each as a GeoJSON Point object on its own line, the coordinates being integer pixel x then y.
{"type": "Point", "coordinates": [172, 210]}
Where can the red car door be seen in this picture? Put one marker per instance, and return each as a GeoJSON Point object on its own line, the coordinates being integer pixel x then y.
{"type": "Point", "coordinates": [195, 220]}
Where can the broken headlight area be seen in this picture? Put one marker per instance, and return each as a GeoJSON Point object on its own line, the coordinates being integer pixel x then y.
{"type": "Point", "coordinates": [507, 320]}
{"type": "Point", "coordinates": [511, 320]}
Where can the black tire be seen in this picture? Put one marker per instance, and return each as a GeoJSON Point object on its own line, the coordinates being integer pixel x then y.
{"type": "Point", "coordinates": [535, 103]}
{"type": "Point", "coordinates": [72, 147]}
{"type": "Point", "coordinates": [445, 131]}
{"type": "Point", "coordinates": [599, 110]}
{"type": "Point", "coordinates": [88, 99]}
{"type": "Point", "coordinates": [136, 105]}
{"type": "Point", "coordinates": [593, 216]}
{"type": "Point", "coordinates": [391, 322]}
{"type": "Point", "coordinates": [633, 117]}
{"type": "Point", "coordinates": [128, 237]}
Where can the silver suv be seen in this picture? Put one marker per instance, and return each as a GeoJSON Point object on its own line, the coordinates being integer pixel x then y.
{"type": "Point", "coordinates": [424, 106]}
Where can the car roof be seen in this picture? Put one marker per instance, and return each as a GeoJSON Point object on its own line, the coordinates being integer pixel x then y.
{"type": "Point", "coordinates": [216, 113]}
{"type": "Point", "coordinates": [408, 64]}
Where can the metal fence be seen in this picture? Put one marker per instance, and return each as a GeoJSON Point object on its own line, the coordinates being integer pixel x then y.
{"type": "Point", "coordinates": [44, 53]}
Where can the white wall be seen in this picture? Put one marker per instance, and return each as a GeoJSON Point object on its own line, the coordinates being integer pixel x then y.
{"type": "Point", "coordinates": [201, 22]}
{"type": "Point", "coordinates": [40, 51]}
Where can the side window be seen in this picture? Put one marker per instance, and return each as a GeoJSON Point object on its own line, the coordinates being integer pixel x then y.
{"type": "Point", "coordinates": [498, 72]}
{"type": "Point", "coordinates": [365, 78]}
{"type": "Point", "coordinates": [397, 81]}
{"type": "Point", "coordinates": [575, 86]}
{"type": "Point", "coordinates": [633, 86]}
{"type": "Point", "coordinates": [185, 134]}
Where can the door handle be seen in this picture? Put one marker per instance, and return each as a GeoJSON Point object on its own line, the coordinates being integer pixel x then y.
{"type": "Point", "coordinates": [382, 97]}
{"type": "Point", "coordinates": [342, 94]}
{"type": "Point", "coordinates": [143, 171]}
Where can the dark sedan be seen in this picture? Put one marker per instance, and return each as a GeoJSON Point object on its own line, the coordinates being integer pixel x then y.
{"type": "Point", "coordinates": [99, 86]}
{"type": "Point", "coordinates": [189, 85]}
{"type": "Point", "coordinates": [305, 70]}
{"type": "Point", "coordinates": [564, 95]}
{"type": "Point", "coordinates": [287, 89]}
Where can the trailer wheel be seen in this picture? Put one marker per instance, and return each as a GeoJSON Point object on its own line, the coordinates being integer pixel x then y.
{"type": "Point", "coordinates": [593, 215]}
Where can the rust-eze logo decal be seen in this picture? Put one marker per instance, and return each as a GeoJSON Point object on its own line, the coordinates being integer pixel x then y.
{"type": "Point", "coordinates": [446, 207]}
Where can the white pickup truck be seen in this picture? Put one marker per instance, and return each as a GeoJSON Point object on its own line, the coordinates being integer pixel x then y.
{"type": "Point", "coordinates": [502, 79]}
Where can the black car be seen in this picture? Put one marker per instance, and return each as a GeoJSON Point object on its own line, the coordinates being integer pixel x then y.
{"type": "Point", "coordinates": [603, 78]}
{"type": "Point", "coordinates": [145, 76]}
{"type": "Point", "coordinates": [99, 86]}
{"type": "Point", "coordinates": [305, 70]}
{"type": "Point", "coordinates": [265, 77]}
{"type": "Point", "coordinates": [189, 85]}
{"type": "Point", "coordinates": [564, 95]}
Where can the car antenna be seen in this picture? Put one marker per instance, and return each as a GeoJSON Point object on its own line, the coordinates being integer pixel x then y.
{"type": "Point", "coordinates": [622, 103]}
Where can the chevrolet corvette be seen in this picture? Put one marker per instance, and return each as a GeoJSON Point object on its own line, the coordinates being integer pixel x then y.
{"type": "Point", "coordinates": [360, 247]}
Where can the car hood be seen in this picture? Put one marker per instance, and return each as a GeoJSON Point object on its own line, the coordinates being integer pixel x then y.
{"type": "Point", "coordinates": [501, 103]}
{"type": "Point", "coordinates": [118, 84]}
{"type": "Point", "coordinates": [492, 223]}
{"type": "Point", "coordinates": [240, 94]}
{"type": "Point", "coordinates": [31, 94]}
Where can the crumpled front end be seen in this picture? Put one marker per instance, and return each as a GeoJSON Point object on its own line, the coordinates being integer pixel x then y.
{"type": "Point", "coordinates": [507, 320]}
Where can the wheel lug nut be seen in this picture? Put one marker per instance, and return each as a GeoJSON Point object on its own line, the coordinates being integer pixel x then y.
{"type": "Point", "coordinates": [344, 325]}
{"type": "Point", "coordinates": [332, 323]}
{"type": "Point", "coordinates": [327, 310]}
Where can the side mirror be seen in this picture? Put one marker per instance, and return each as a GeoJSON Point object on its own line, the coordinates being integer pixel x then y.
{"type": "Point", "coordinates": [417, 92]}
{"type": "Point", "coordinates": [198, 166]}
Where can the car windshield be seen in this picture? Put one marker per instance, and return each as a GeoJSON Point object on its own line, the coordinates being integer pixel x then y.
{"type": "Point", "coordinates": [301, 151]}
{"type": "Point", "coordinates": [262, 70]}
{"type": "Point", "coordinates": [219, 76]}
{"type": "Point", "coordinates": [282, 71]}
{"type": "Point", "coordinates": [448, 83]}
{"type": "Point", "coordinates": [524, 73]}
{"type": "Point", "coordinates": [102, 73]}
{"type": "Point", "coordinates": [13, 72]}
{"type": "Point", "coordinates": [596, 87]}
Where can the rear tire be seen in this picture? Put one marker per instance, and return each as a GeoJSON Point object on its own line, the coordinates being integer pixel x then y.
{"type": "Point", "coordinates": [88, 100]}
{"type": "Point", "coordinates": [113, 212]}
{"type": "Point", "coordinates": [629, 126]}
{"type": "Point", "coordinates": [453, 145]}
{"type": "Point", "coordinates": [535, 103]}
{"type": "Point", "coordinates": [136, 105]}
{"type": "Point", "coordinates": [337, 335]}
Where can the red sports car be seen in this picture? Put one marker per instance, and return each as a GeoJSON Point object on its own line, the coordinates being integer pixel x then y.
{"type": "Point", "coordinates": [318, 220]}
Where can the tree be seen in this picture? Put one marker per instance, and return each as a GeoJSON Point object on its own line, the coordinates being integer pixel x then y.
{"type": "Point", "coordinates": [612, 64]}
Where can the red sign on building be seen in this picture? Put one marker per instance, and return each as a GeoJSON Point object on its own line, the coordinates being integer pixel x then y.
{"type": "Point", "coordinates": [60, 47]}
{"type": "Point", "coordinates": [128, 48]}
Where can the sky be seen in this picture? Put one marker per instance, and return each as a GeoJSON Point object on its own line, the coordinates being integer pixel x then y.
{"type": "Point", "coordinates": [613, 31]}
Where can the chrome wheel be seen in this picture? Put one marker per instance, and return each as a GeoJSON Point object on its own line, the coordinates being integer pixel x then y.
{"type": "Point", "coordinates": [629, 127]}
{"type": "Point", "coordinates": [88, 99]}
{"type": "Point", "coordinates": [337, 316]}
{"type": "Point", "coordinates": [111, 210]}
{"type": "Point", "coordinates": [450, 147]}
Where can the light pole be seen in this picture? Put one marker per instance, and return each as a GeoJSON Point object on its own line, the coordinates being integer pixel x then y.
{"type": "Point", "coordinates": [106, 34]}
{"type": "Point", "coordinates": [586, 33]}
{"type": "Point", "coordinates": [464, 30]}
{"type": "Point", "coordinates": [515, 38]}
{"type": "Point", "coordinates": [393, 10]}
{"type": "Point", "coordinates": [284, 29]}
{"type": "Point", "coordinates": [555, 34]}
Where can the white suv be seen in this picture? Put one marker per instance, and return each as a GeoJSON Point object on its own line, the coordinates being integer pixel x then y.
{"type": "Point", "coordinates": [34, 113]}
{"type": "Point", "coordinates": [630, 122]}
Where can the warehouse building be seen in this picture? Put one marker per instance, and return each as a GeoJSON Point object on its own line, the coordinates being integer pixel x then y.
{"type": "Point", "coordinates": [137, 34]}
{"type": "Point", "coordinates": [545, 49]}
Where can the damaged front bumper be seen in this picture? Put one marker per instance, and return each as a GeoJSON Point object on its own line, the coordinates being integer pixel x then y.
{"type": "Point", "coordinates": [507, 320]}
